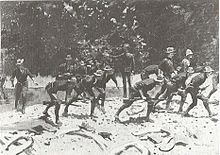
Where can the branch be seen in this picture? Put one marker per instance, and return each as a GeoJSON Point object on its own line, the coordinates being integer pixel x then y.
{"type": "Point", "coordinates": [137, 145]}
{"type": "Point", "coordinates": [19, 138]}
{"type": "Point", "coordinates": [89, 135]}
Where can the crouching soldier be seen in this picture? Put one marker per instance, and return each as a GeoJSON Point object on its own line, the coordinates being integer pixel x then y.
{"type": "Point", "coordinates": [140, 89]}
{"type": "Point", "coordinates": [52, 90]}
{"type": "Point", "coordinates": [85, 85]}
{"type": "Point", "coordinates": [195, 87]}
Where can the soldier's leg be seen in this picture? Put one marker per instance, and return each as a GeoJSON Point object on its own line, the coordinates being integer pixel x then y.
{"type": "Point", "coordinates": [73, 99]}
{"type": "Point", "coordinates": [124, 84]}
{"type": "Point", "coordinates": [170, 90]}
{"type": "Point", "coordinates": [206, 104]}
{"type": "Point", "coordinates": [193, 92]}
{"type": "Point", "coordinates": [93, 101]}
{"type": "Point", "coordinates": [129, 79]}
{"type": "Point", "coordinates": [128, 103]}
{"type": "Point", "coordinates": [18, 91]}
{"type": "Point", "coordinates": [102, 97]}
{"type": "Point", "coordinates": [113, 77]}
{"type": "Point", "coordinates": [56, 111]}
{"type": "Point", "coordinates": [51, 103]}
{"type": "Point", "coordinates": [183, 99]}
{"type": "Point", "coordinates": [150, 106]}
{"type": "Point", "coordinates": [24, 98]}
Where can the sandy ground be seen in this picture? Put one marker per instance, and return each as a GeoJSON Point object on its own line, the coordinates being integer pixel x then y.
{"type": "Point", "coordinates": [197, 135]}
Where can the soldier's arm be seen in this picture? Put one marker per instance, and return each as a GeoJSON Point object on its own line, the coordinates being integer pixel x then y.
{"type": "Point", "coordinates": [31, 76]}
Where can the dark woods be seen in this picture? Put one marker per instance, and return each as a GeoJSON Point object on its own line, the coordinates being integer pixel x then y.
{"type": "Point", "coordinates": [44, 32]}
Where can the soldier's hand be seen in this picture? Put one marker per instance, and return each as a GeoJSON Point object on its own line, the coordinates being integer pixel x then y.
{"type": "Point", "coordinates": [35, 83]}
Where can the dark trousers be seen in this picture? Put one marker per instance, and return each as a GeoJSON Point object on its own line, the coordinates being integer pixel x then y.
{"type": "Point", "coordinates": [126, 76]}
{"type": "Point", "coordinates": [21, 94]}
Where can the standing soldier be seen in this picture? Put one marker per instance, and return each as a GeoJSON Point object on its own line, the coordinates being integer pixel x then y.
{"type": "Point", "coordinates": [125, 63]}
{"type": "Point", "coordinates": [127, 68]}
{"type": "Point", "coordinates": [186, 62]}
{"type": "Point", "coordinates": [21, 73]}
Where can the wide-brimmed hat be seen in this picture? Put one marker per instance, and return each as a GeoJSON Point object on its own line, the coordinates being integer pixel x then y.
{"type": "Point", "coordinates": [107, 68]}
{"type": "Point", "coordinates": [170, 50]}
{"type": "Point", "coordinates": [159, 79]}
{"type": "Point", "coordinates": [190, 70]}
{"type": "Point", "coordinates": [189, 52]}
{"type": "Point", "coordinates": [68, 57]}
{"type": "Point", "coordinates": [208, 69]}
{"type": "Point", "coordinates": [98, 73]}
{"type": "Point", "coordinates": [19, 61]}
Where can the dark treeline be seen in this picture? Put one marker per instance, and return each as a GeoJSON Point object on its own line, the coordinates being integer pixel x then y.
{"type": "Point", "coordinates": [44, 32]}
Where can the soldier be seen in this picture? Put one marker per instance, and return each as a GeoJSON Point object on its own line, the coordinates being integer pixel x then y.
{"type": "Point", "coordinates": [186, 62]}
{"type": "Point", "coordinates": [125, 64]}
{"type": "Point", "coordinates": [85, 85]}
{"type": "Point", "coordinates": [127, 68]}
{"type": "Point", "coordinates": [196, 86]}
{"type": "Point", "coordinates": [52, 88]}
{"type": "Point", "coordinates": [21, 73]}
{"type": "Point", "coordinates": [167, 68]}
{"type": "Point", "coordinates": [140, 89]}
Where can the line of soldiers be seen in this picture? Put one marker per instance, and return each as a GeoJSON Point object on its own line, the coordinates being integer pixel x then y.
{"type": "Point", "coordinates": [181, 81]}
{"type": "Point", "coordinates": [85, 76]}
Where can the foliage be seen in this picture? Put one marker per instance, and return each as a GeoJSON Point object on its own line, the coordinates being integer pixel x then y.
{"type": "Point", "coordinates": [45, 32]}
